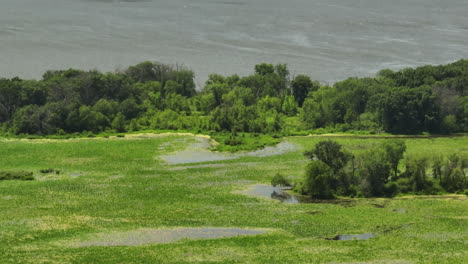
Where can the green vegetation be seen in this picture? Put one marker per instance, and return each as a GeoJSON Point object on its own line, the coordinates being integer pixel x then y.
{"type": "Point", "coordinates": [16, 175]}
{"type": "Point", "coordinates": [115, 184]}
{"type": "Point", "coordinates": [95, 144]}
{"type": "Point", "coordinates": [335, 172]}
{"type": "Point", "coordinates": [280, 180]}
{"type": "Point", "coordinates": [153, 96]}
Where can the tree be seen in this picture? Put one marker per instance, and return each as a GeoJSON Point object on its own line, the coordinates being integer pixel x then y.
{"type": "Point", "coordinates": [416, 173]}
{"type": "Point", "coordinates": [264, 69]}
{"type": "Point", "coordinates": [453, 174]}
{"type": "Point", "coordinates": [394, 151]}
{"type": "Point", "coordinates": [310, 114]}
{"type": "Point", "coordinates": [318, 180]}
{"type": "Point", "coordinates": [289, 106]}
{"type": "Point", "coordinates": [301, 86]}
{"type": "Point", "coordinates": [408, 111]}
{"type": "Point", "coordinates": [374, 172]}
{"type": "Point", "coordinates": [118, 124]}
{"type": "Point", "coordinates": [329, 152]}
{"type": "Point", "coordinates": [130, 108]}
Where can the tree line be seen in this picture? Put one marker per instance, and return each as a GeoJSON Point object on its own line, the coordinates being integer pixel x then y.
{"type": "Point", "coordinates": [382, 171]}
{"type": "Point", "coordinates": [157, 96]}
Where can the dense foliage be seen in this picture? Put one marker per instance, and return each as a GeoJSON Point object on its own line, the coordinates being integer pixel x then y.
{"type": "Point", "coordinates": [16, 175]}
{"type": "Point", "coordinates": [375, 173]}
{"type": "Point", "coordinates": [156, 96]}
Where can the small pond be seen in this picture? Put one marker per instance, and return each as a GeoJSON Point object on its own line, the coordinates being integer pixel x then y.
{"type": "Point", "coordinates": [200, 152]}
{"type": "Point", "coordinates": [163, 236]}
{"type": "Point", "coordinates": [281, 194]}
{"type": "Point", "coordinates": [354, 237]}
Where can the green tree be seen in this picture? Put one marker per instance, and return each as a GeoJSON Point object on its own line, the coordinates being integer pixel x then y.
{"type": "Point", "coordinates": [394, 151]}
{"type": "Point", "coordinates": [318, 180]}
{"type": "Point", "coordinates": [301, 86]}
{"type": "Point", "coordinates": [329, 152]}
{"type": "Point", "coordinates": [264, 69]}
{"type": "Point", "coordinates": [374, 172]}
{"type": "Point", "coordinates": [289, 106]}
{"type": "Point", "coordinates": [118, 124]}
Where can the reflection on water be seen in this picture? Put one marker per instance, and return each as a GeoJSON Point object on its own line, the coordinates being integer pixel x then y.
{"type": "Point", "coordinates": [282, 194]}
{"type": "Point", "coordinates": [200, 152]}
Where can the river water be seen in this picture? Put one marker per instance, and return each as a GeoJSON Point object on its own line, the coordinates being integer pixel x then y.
{"type": "Point", "coordinates": [327, 39]}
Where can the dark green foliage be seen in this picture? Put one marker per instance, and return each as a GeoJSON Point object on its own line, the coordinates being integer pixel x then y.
{"type": "Point", "coordinates": [408, 110]}
{"type": "Point", "coordinates": [118, 124]}
{"type": "Point", "coordinates": [453, 177]}
{"type": "Point", "coordinates": [330, 153]}
{"type": "Point", "coordinates": [437, 167]}
{"type": "Point", "coordinates": [374, 173]}
{"type": "Point", "coordinates": [416, 173]}
{"type": "Point", "coordinates": [157, 96]}
{"type": "Point", "coordinates": [16, 175]}
{"type": "Point", "coordinates": [394, 151]}
{"type": "Point", "coordinates": [301, 86]}
{"type": "Point", "coordinates": [264, 69]}
{"type": "Point", "coordinates": [318, 180]}
{"type": "Point", "coordinates": [44, 171]}
{"type": "Point", "coordinates": [280, 180]}
{"type": "Point", "coordinates": [233, 140]}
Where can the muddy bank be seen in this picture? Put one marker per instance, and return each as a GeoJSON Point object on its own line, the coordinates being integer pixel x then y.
{"type": "Point", "coordinates": [354, 237]}
{"type": "Point", "coordinates": [281, 194]}
{"type": "Point", "coordinates": [200, 152]}
{"type": "Point", "coordinates": [163, 236]}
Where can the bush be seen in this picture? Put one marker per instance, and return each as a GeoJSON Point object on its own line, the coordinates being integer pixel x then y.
{"type": "Point", "coordinates": [280, 180]}
{"type": "Point", "coordinates": [318, 180]}
{"type": "Point", "coordinates": [374, 173]}
{"type": "Point", "coordinates": [391, 189]}
{"type": "Point", "coordinates": [16, 175]}
{"type": "Point", "coordinates": [453, 177]}
{"type": "Point", "coordinates": [405, 185]}
{"type": "Point", "coordinates": [233, 140]}
{"type": "Point", "coordinates": [46, 171]}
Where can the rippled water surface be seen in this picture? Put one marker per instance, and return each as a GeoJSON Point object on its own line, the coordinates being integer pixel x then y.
{"type": "Point", "coordinates": [328, 39]}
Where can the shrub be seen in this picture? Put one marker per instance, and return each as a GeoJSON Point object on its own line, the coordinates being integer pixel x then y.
{"type": "Point", "coordinates": [50, 170]}
{"type": "Point", "coordinates": [416, 172]}
{"type": "Point", "coordinates": [280, 180]}
{"type": "Point", "coordinates": [453, 174]}
{"type": "Point", "coordinates": [404, 185]}
{"type": "Point", "coordinates": [374, 173]}
{"type": "Point", "coordinates": [233, 140]}
{"type": "Point", "coordinates": [391, 189]}
{"type": "Point", "coordinates": [330, 153]}
{"type": "Point", "coordinates": [394, 151]}
{"type": "Point", "coordinates": [318, 180]}
{"type": "Point", "coordinates": [16, 175]}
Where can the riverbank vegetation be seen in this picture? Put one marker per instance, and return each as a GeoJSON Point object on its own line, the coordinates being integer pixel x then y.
{"type": "Point", "coordinates": [376, 172]}
{"type": "Point", "coordinates": [113, 183]}
{"type": "Point", "coordinates": [153, 96]}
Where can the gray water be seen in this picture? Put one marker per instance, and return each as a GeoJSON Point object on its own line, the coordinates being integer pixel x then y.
{"type": "Point", "coordinates": [163, 236]}
{"type": "Point", "coordinates": [327, 39]}
{"type": "Point", "coordinates": [200, 152]}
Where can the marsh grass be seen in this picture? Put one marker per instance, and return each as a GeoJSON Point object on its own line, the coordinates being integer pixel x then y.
{"type": "Point", "coordinates": [16, 175]}
{"type": "Point", "coordinates": [125, 186]}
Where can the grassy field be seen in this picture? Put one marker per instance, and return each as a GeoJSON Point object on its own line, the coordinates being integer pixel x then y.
{"type": "Point", "coordinates": [109, 185]}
